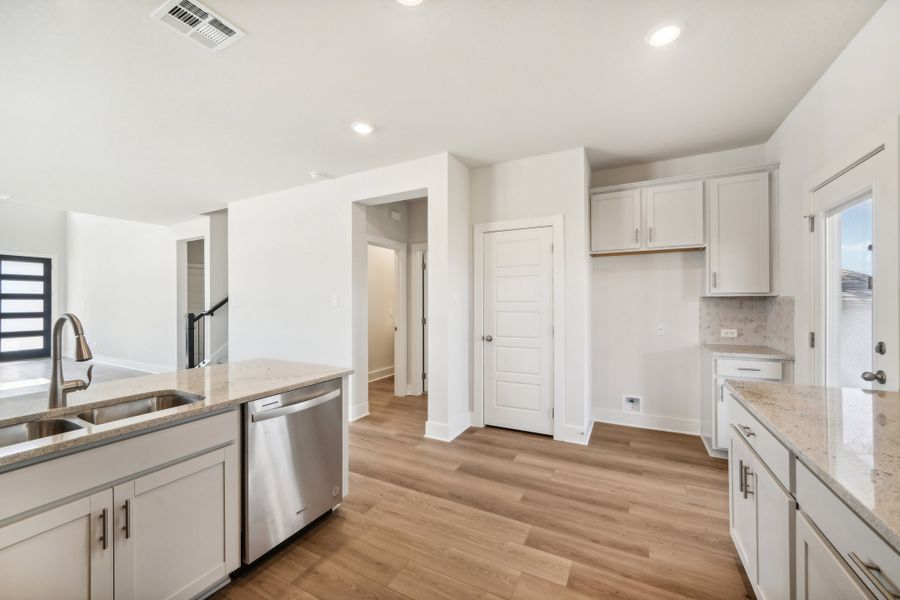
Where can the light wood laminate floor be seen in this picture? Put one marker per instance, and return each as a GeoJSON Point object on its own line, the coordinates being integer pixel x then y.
{"type": "Point", "coordinates": [505, 514]}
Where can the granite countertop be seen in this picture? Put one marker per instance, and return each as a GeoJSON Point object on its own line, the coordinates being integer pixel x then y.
{"type": "Point", "coordinates": [744, 351]}
{"type": "Point", "coordinates": [849, 438]}
{"type": "Point", "coordinates": [222, 386]}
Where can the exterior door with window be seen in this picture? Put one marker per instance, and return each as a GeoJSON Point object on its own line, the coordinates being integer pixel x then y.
{"type": "Point", "coordinates": [856, 278]}
{"type": "Point", "coordinates": [24, 307]}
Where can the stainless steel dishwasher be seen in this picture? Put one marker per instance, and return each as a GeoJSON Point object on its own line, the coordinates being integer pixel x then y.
{"type": "Point", "coordinates": [292, 463]}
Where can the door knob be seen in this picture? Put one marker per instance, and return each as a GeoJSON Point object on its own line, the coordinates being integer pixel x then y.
{"type": "Point", "coordinates": [879, 376]}
{"type": "Point", "coordinates": [488, 338]}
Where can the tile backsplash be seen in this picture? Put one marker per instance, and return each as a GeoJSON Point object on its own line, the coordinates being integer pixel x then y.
{"type": "Point", "coordinates": [758, 321]}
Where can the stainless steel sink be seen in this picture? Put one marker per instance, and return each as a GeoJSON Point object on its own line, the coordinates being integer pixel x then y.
{"type": "Point", "coordinates": [140, 406]}
{"type": "Point", "coordinates": [35, 430]}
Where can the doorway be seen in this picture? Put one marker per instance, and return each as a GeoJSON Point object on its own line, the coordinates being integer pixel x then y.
{"type": "Point", "coordinates": [855, 278]}
{"type": "Point", "coordinates": [387, 328]}
{"type": "Point", "coordinates": [518, 325]}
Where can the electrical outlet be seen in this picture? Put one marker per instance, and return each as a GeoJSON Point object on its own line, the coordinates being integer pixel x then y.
{"type": "Point", "coordinates": [728, 333]}
{"type": "Point", "coordinates": [661, 329]}
{"type": "Point", "coordinates": [632, 403]}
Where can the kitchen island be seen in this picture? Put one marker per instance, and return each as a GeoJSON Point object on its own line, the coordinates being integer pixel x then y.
{"type": "Point", "coordinates": [136, 492]}
{"type": "Point", "coordinates": [815, 489]}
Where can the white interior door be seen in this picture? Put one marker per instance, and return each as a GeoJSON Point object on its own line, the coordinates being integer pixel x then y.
{"type": "Point", "coordinates": [518, 329]}
{"type": "Point", "coordinates": [856, 279]}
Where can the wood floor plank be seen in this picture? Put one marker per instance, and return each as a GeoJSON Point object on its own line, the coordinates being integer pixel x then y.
{"type": "Point", "coordinates": [505, 514]}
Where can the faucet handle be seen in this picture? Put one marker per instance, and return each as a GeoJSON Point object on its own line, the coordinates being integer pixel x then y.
{"type": "Point", "coordinates": [90, 376]}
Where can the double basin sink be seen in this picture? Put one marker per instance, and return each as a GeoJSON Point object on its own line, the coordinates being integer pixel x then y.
{"type": "Point", "coordinates": [35, 430]}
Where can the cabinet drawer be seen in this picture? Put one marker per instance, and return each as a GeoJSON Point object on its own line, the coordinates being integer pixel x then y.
{"type": "Point", "coordinates": [873, 560]}
{"type": "Point", "coordinates": [769, 449]}
{"type": "Point", "coordinates": [755, 369]}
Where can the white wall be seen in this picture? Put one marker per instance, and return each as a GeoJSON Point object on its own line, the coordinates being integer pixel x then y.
{"type": "Point", "coordinates": [381, 312]}
{"type": "Point", "coordinates": [553, 184]}
{"type": "Point", "coordinates": [632, 295]}
{"type": "Point", "coordinates": [737, 158]}
{"type": "Point", "coordinates": [122, 284]}
{"type": "Point", "coordinates": [217, 267]}
{"type": "Point", "coordinates": [297, 277]}
{"type": "Point", "coordinates": [37, 231]}
{"type": "Point", "coordinates": [417, 228]}
{"type": "Point", "coordinates": [858, 93]}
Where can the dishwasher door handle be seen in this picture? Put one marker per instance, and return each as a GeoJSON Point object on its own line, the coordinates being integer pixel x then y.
{"type": "Point", "coordinates": [295, 408]}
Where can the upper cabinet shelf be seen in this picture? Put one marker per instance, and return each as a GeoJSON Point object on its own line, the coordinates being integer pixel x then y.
{"type": "Point", "coordinates": [728, 215]}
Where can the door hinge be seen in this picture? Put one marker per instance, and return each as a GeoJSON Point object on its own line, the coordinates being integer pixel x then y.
{"type": "Point", "coordinates": [424, 321]}
{"type": "Point", "coordinates": [812, 339]}
{"type": "Point", "coordinates": [812, 223]}
{"type": "Point", "coordinates": [424, 376]}
{"type": "Point", "coordinates": [553, 412]}
{"type": "Point", "coordinates": [552, 249]}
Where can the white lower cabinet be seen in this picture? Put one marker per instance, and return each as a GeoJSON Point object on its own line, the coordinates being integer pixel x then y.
{"type": "Point", "coordinates": [821, 574]}
{"type": "Point", "coordinates": [762, 514]}
{"type": "Point", "coordinates": [165, 523]}
{"type": "Point", "coordinates": [169, 538]}
{"type": "Point", "coordinates": [63, 553]}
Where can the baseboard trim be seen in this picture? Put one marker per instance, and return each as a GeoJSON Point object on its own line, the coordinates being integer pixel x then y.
{"type": "Point", "coordinates": [707, 443]}
{"type": "Point", "coordinates": [132, 364]}
{"type": "Point", "coordinates": [645, 421]}
{"type": "Point", "coordinates": [443, 432]}
{"type": "Point", "coordinates": [575, 435]}
{"type": "Point", "coordinates": [358, 411]}
{"type": "Point", "coordinates": [382, 373]}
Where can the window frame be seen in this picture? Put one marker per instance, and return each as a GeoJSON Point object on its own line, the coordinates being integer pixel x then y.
{"type": "Point", "coordinates": [46, 296]}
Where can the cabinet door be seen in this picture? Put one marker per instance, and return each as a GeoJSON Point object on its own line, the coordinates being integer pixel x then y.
{"type": "Point", "coordinates": [616, 221]}
{"type": "Point", "coordinates": [674, 215]}
{"type": "Point", "coordinates": [65, 552]}
{"type": "Point", "coordinates": [170, 530]}
{"type": "Point", "coordinates": [738, 257]}
{"type": "Point", "coordinates": [775, 510]}
{"type": "Point", "coordinates": [722, 428]}
{"type": "Point", "coordinates": [742, 502]}
{"type": "Point", "coordinates": [821, 574]}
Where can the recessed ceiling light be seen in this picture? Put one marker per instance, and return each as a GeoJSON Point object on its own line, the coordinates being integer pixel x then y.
{"type": "Point", "coordinates": [362, 128]}
{"type": "Point", "coordinates": [5, 196]}
{"type": "Point", "coordinates": [663, 35]}
{"type": "Point", "coordinates": [410, 2]}
{"type": "Point", "coordinates": [317, 175]}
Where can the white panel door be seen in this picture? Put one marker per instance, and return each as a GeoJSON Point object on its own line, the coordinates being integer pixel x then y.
{"type": "Point", "coordinates": [739, 235]}
{"type": "Point", "coordinates": [63, 553]}
{"type": "Point", "coordinates": [821, 573]}
{"type": "Point", "coordinates": [170, 530]}
{"type": "Point", "coordinates": [674, 215]}
{"type": "Point", "coordinates": [518, 329]}
{"type": "Point", "coordinates": [616, 221]}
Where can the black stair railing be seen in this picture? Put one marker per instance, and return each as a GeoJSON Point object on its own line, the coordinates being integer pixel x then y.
{"type": "Point", "coordinates": [196, 334]}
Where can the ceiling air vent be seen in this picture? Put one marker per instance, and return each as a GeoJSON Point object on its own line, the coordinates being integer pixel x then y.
{"type": "Point", "coordinates": [197, 22]}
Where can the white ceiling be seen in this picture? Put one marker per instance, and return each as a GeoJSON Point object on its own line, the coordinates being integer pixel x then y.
{"type": "Point", "coordinates": [104, 110]}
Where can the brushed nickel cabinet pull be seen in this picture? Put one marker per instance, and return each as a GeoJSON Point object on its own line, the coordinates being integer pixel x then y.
{"type": "Point", "coordinates": [651, 234]}
{"type": "Point", "coordinates": [635, 235]}
{"type": "Point", "coordinates": [127, 526]}
{"type": "Point", "coordinates": [870, 569]}
{"type": "Point", "coordinates": [746, 478]}
{"type": "Point", "coordinates": [749, 369]}
{"type": "Point", "coordinates": [715, 278]}
{"type": "Point", "coordinates": [104, 517]}
{"type": "Point", "coordinates": [741, 476]}
{"type": "Point", "coordinates": [746, 431]}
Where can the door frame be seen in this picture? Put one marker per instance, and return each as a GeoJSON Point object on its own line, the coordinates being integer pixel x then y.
{"type": "Point", "coordinates": [556, 222]}
{"type": "Point", "coordinates": [418, 360]}
{"type": "Point", "coordinates": [400, 318]}
{"type": "Point", "coordinates": [883, 142]}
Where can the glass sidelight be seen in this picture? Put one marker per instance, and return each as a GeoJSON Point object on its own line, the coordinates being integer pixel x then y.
{"type": "Point", "coordinates": [25, 306]}
{"type": "Point", "coordinates": [849, 303]}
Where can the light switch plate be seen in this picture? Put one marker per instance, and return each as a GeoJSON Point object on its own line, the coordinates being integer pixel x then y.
{"type": "Point", "coordinates": [728, 333]}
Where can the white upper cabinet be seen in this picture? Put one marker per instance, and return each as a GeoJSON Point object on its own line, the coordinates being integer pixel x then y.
{"type": "Point", "coordinates": [674, 215]}
{"type": "Point", "coordinates": [738, 260]}
{"type": "Point", "coordinates": [616, 221]}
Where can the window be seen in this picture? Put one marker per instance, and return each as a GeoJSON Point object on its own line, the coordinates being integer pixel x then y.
{"type": "Point", "coordinates": [24, 307]}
